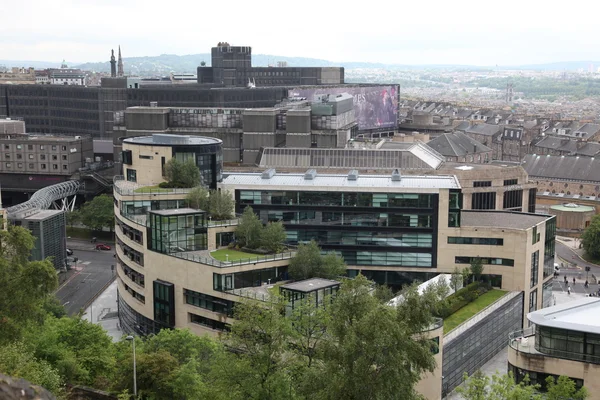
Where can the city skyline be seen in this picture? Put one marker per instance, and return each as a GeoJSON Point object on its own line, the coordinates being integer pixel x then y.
{"type": "Point", "coordinates": [459, 34]}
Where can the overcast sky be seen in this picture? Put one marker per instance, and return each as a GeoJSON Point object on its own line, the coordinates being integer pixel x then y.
{"type": "Point", "coordinates": [478, 32]}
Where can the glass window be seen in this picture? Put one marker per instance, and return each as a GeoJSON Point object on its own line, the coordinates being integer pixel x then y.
{"type": "Point", "coordinates": [535, 262]}
{"type": "Point", "coordinates": [131, 175]}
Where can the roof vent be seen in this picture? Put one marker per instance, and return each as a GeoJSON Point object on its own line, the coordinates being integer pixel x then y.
{"type": "Point", "coordinates": [353, 175]}
{"type": "Point", "coordinates": [268, 174]}
{"type": "Point", "coordinates": [310, 174]}
{"type": "Point", "coordinates": [396, 175]}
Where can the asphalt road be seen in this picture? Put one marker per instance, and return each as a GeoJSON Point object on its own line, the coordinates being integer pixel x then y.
{"type": "Point", "coordinates": [567, 254]}
{"type": "Point", "coordinates": [88, 277]}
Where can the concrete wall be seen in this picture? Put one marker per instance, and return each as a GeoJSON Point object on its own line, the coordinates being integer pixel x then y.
{"type": "Point", "coordinates": [430, 385]}
{"type": "Point", "coordinates": [473, 347]}
{"type": "Point", "coordinates": [148, 171]}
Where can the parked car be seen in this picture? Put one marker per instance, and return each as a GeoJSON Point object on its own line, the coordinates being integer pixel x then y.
{"type": "Point", "coordinates": [102, 246]}
{"type": "Point", "coordinates": [69, 252]}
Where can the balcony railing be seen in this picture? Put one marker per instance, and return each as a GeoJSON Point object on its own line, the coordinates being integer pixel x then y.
{"type": "Point", "coordinates": [126, 188]}
{"type": "Point", "coordinates": [243, 261]}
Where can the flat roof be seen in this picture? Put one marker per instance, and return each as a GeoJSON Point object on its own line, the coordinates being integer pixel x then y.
{"type": "Point", "coordinates": [176, 211]}
{"type": "Point", "coordinates": [501, 219]}
{"type": "Point", "coordinates": [172, 140]}
{"type": "Point", "coordinates": [578, 315]}
{"type": "Point", "coordinates": [310, 285]}
{"type": "Point", "coordinates": [42, 215]}
{"type": "Point", "coordinates": [329, 181]}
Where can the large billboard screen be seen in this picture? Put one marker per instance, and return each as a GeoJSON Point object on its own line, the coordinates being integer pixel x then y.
{"type": "Point", "coordinates": [376, 107]}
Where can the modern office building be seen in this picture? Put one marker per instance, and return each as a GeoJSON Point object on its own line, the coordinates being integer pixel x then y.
{"type": "Point", "coordinates": [49, 229]}
{"type": "Point", "coordinates": [29, 162]}
{"type": "Point", "coordinates": [563, 340]}
{"type": "Point", "coordinates": [232, 66]}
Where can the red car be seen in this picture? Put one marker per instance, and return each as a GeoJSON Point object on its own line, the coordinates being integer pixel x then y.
{"type": "Point", "coordinates": [102, 247]}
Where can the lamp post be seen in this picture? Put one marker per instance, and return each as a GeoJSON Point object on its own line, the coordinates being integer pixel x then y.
{"type": "Point", "coordinates": [130, 337]}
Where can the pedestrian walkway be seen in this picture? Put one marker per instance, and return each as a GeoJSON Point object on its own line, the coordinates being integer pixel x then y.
{"type": "Point", "coordinates": [103, 311]}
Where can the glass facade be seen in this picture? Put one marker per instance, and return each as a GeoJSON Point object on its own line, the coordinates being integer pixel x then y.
{"type": "Point", "coordinates": [535, 266]}
{"type": "Point", "coordinates": [486, 261]}
{"type": "Point", "coordinates": [549, 247]}
{"type": "Point", "coordinates": [537, 378]}
{"type": "Point", "coordinates": [388, 229]}
{"type": "Point", "coordinates": [547, 296]}
{"type": "Point", "coordinates": [316, 297]}
{"type": "Point", "coordinates": [454, 208]}
{"type": "Point", "coordinates": [474, 240]}
{"type": "Point", "coordinates": [177, 233]}
{"type": "Point", "coordinates": [567, 344]}
{"type": "Point", "coordinates": [208, 159]}
{"type": "Point", "coordinates": [208, 323]}
{"type": "Point", "coordinates": [257, 277]}
{"type": "Point", "coordinates": [164, 303]}
{"type": "Point", "coordinates": [209, 302]}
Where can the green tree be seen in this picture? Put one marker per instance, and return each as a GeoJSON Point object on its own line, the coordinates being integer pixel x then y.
{"type": "Point", "coordinates": [456, 279]}
{"type": "Point", "coordinates": [182, 174]}
{"type": "Point", "coordinates": [18, 361]}
{"type": "Point", "coordinates": [310, 263]}
{"type": "Point", "coordinates": [499, 387]}
{"type": "Point", "coordinates": [249, 229]}
{"type": "Point", "coordinates": [99, 213]}
{"type": "Point", "coordinates": [273, 237]}
{"type": "Point", "coordinates": [197, 198]}
{"type": "Point", "coordinates": [79, 350]}
{"type": "Point", "coordinates": [590, 239]}
{"type": "Point", "coordinates": [383, 293]}
{"type": "Point", "coordinates": [73, 217]}
{"type": "Point", "coordinates": [466, 274]}
{"type": "Point", "coordinates": [476, 268]}
{"type": "Point", "coordinates": [564, 388]}
{"type": "Point", "coordinates": [221, 204]}
{"type": "Point", "coordinates": [475, 387]}
{"type": "Point", "coordinates": [25, 284]}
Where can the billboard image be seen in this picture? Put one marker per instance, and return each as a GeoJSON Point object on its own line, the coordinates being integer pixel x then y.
{"type": "Point", "coordinates": [376, 107]}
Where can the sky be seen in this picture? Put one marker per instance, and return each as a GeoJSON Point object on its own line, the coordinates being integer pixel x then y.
{"type": "Point", "coordinates": [418, 32]}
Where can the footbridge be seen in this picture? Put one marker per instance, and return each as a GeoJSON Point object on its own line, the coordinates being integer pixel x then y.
{"type": "Point", "coordinates": [60, 196]}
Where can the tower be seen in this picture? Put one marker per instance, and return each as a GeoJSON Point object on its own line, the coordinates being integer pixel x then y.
{"type": "Point", "coordinates": [113, 64]}
{"type": "Point", "coordinates": [509, 92]}
{"type": "Point", "coordinates": [120, 63]}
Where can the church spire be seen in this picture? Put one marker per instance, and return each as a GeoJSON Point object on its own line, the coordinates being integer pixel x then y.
{"type": "Point", "coordinates": [120, 63]}
{"type": "Point", "coordinates": [113, 66]}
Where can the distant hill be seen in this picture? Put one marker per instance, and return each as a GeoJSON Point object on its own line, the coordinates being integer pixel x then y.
{"type": "Point", "coordinates": [164, 64]}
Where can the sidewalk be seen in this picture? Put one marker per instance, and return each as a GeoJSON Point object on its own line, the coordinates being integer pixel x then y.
{"type": "Point", "coordinates": [103, 312]}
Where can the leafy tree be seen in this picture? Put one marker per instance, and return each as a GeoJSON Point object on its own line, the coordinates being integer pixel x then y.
{"type": "Point", "coordinates": [590, 239]}
{"type": "Point", "coordinates": [197, 198]}
{"type": "Point", "coordinates": [182, 174]}
{"type": "Point", "coordinates": [273, 236]}
{"type": "Point", "coordinates": [476, 387]}
{"type": "Point", "coordinates": [466, 274]}
{"type": "Point", "coordinates": [476, 268]}
{"type": "Point", "coordinates": [499, 387]}
{"type": "Point", "coordinates": [25, 284]}
{"type": "Point", "coordinates": [79, 350]}
{"type": "Point", "coordinates": [73, 217]}
{"type": "Point", "coordinates": [383, 293]}
{"type": "Point", "coordinates": [99, 213]}
{"type": "Point", "coordinates": [456, 279]}
{"type": "Point", "coordinates": [249, 229]}
{"type": "Point", "coordinates": [310, 263]}
{"type": "Point", "coordinates": [16, 360]}
{"type": "Point", "coordinates": [221, 204]}
{"type": "Point", "coordinates": [564, 388]}
{"type": "Point", "coordinates": [53, 307]}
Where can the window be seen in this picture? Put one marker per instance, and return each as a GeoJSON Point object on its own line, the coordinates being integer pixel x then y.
{"type": "Point", "coordinates": [29, 147]}
{"type": "Point", "coordinates": [31, 165]}
{"type": "Point", "coordinates": [54, 166]}
{"type": "Point", "coordinates": [20, 165]}
{"type": "Point", "coordinates": [513, 200]}
{"type": "Point", "coordinates": [64, 148]}
{"type": "Point", "coordinates": [535, 263]}
{"type": "Point", "coordinates": [19, 156]}
{"type": "Point", "coordinates": [164, 303]}
{"type": "Point", "coordinates": [65, 166]}
{"type": "Point", "coordinates": [486, 261]}
{"type": "Point", "coordinates": [64, 157]}
{"type": "Point", "coordinates": [31, 156]}
{"type": "Point", "coordinates": [470, 240]}
{"type": "Point", "coordinates": [54, 147]}
{"type": "Point", "coordinates": [54, 157]}
{"type": "Point", "coordinates": [7, 156]}
{"type": "Point", "coordinates": [510, 182]}
{"type": "Point", "coordinates": [208, 302]}
{"type": "Point", "coordinates": [8, 165]}
{"type": "Point", "coordinates": [42, 156]}
{"type": "Point", "coordinates": [42, 147]}
{"type": "Point", "coordinates": [146, 157]}
{"type": "Point", "coordinates": [131, 175]}
{"type": "Point", "coordinates": [209, 323]}
{"type": "Point", "coordinates": [7, 147]}
{"type": "Point", "coordinates": [533, 301]}
{"type": "Point", "coordinates": [19, 147]}
{"type": "Point", "coordinates": [482, 183]}
{"type": "Point", "coordinates": [43, 166]}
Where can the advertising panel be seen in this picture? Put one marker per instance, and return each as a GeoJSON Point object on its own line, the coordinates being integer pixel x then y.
{"type": "Point", "coordinates": [375, 106]}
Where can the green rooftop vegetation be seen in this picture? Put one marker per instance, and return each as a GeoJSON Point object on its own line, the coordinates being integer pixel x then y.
{"type": "Point", "coordinates": [468, 311]}
{"type": "Point", "coordinates": [233, 255]}
{"type": "Point", "coordinates": [151, 189]}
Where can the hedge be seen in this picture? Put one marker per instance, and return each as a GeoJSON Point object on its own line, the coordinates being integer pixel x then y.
{"type": "Point", "coordinates": [461, 298]}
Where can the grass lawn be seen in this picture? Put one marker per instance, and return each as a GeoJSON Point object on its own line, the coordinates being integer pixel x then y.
{"type": "Point", "coordinates": [234, 255]}
{"type": "Point", "coordinates": [471, 309]}
{"type": "Point", "coordinates": [148, 189]}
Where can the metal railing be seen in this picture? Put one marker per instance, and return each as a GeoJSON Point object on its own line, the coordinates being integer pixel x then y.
{"type": "Point", "coordinates": [141, 190]}
{"type": "Point", "coordinates": [225, 222]}
{"type": "Point", "coordinates": [436, 324]}
{"type": "Point", "coordinates": [225, 264]}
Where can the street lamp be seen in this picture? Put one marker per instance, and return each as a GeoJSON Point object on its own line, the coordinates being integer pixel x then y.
{"type": "Point", "coordinates": [130, 337]}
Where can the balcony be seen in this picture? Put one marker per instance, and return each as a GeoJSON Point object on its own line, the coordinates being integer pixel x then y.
{"type": "Point", "coordinates": [126, 188]}
{"type": "Point", "coordinates": [203, 257]}
{"type": "Point", "coordinates": [523, 341]}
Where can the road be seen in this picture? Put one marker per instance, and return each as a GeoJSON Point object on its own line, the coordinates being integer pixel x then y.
{"type": "Point", "coordinates": [568, 254]}
{"type": "Point", "coordinates": [90, 275]}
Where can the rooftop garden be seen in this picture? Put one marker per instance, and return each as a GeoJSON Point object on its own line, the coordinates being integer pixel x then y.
{"type": "Point", "coordinates": [151, 189]}
{"type": "Point", "coordinates": [466, 312]}
{"type": "Point", "coordinates": [233, 255]}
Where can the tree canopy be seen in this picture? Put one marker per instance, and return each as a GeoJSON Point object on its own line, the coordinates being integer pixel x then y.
{"type": "Point", "coordinates": [476, 268]}
{"type": "Point", "coordinates": [249, 229]}
{"type": "Point", "coordinates": [591, 238]}
{"type": "Point", "coordinates": [182, 174]}
{"type": "Point", "coordinates": [310, 263]}
{"type": "Point", "coordinates": [98, 213]}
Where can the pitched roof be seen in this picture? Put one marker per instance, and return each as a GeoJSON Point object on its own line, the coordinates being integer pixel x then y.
{"type": "Point", "coordinates": [484, 129]}
{"type": "Point", "coordinates": [456, 144]}
{"type": "Point", "coordinates": [557, 143]}
{"type": "Point", "coordinates": [563, 167]}
{"type": "Point", "coordinates": [463, 126]}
